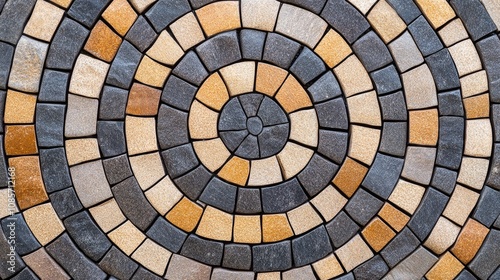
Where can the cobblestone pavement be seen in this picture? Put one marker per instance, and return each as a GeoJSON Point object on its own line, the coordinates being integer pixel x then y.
{"type": "Point", "coordinates": [252, 139]}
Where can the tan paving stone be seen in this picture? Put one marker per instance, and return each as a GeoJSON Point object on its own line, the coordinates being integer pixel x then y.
{"type": "Point", "coordinates": [275, 228]}
{"type": "Point", "coordinates": [182, 268]}
{"type": "Point", "coordinates": [9, 201]}
{"type": "Point", "coordinates": [147, 168]}
{"type": "Point", "coordinates": [474, 84]}
{"type": "Point", "coordinates": [127, 237]}
{"type": "Point", "coordinates": [407, 196]}
{"type": "Point", "coordinates": [269, 78]}
{"type": "Point", "coordinates": [364, 143]}
{"type": "Point", "coordinates": [236, 171]}
{"type": "Point", "coordinates": [216, 224]}
{"type": "Point", "coordinates": [460, 204]}
{"type": "Point", "coordinates": [304, 127]}
{"type": "Point", "coordinates": [212, 153]}
{"type": "Point", "coordinates": [465, 57]}
{"type": "Point", "coordinates": [378, 234]}
{"type": "Point", "coordinates": [420, 90]}
{"type": "Point", "coordinates": [219, 16]}
{"type": "Point", "coordinates": [162, 43]}
{"type": "Point", "coordinates": [19, 107]}
{"type": "Point", "coordinates": [329, 203]}
{"type": "Point", "coordinates": [107, 215]}
{"type": "Point", "coordinates": [260, 14]}
{"type": "Point", "coordinates": [44, 266]}
{"type": "Point", "coordinates": [213, 93]}
{"type": "Point", "coordinates": [364, 109]}
{"type": "Point", "coordinates": [164, 195]}
{"type": "Point", "coordinates": [442, 236]}
{"type": "Point", "coordinates": [438, 12]}
{"type": "Point", "coordinates": [81, 150]}
{"type": "Point", "coordinates": [141, 5]}
{"type": "Point", "coordinates": [264, 172]}
{"type": "Point", "coordinates": [43, 223]}
{"type": "Point", "coordinates": [352, 76]}
{"type": "Point", "coordinates": [62, 3]}
{"type": "Point", "coordinates": [185, 215]}
{"type": "Point", "coordinates": [140, 134]}
{"type": "Point", "coordinates": [424, 127]}
{"type": "Point", "coordinates": [88, 76]}
{"type": "Point", "coordinates": [353, 253]}
{"type": "Point", "coordinates": [239, 77]}
{"type": "Point", "coordinates": [473, 172]}
{"type": "Point", "coordinates": [90, 183]}
{"type": "Point", "coordinates": [202, 122]}
{"type": "Point", "coordinates": [395, 218]}
{"type": "Point", "coordinates": [478, 138]}
{"type": "Point", "coordinates": [419, 164]}
{"type": "Point", "coordinates": [151, 72]}
{"type": "Point", "coordinates": [447, 267]}
{"type": "Point", "coordinates": [143, 100]}
{"type": "Point", "coordinates": [103, 42]}
{"type": "Point", "coordinates": [303, 218]}
{"type": "Point", "coordinates": [120, 15]}
{"type": "Point", "coordinates": [363, 5]}
{"type": "Point", "coordinates": [333, 48]}
{"type": "Point", "coordinates": [292, 96]}
{"type": "Point", "coordinates": [493, 8]}
{"type": "Point", "coordinates": [293, 158]}
{"type": "Point", "coordinates": [81, 116]}
{"type": "Point", "coordinates": [469, 241]}
{"type": "Point", "coordinates": [20, 140]}
{"type": "Point", "coordinates": [328, 267]}
{"type": "Point", "coordinates": [350, 176]}
{"type": "Point", "coordinates": [477, 106]}
{"type": "Point", "coordinates": [386, 21]}
{"type": "Point", "coordinates": [301, 25]}
{"type": "Point", "coordinates": [29, 187]}
{"type": "Point", "coordinates": [247, 229]}
{"type": "Point", "coordinates": [27, 65]}
{"type": "Point", "coordinates": [187, 31]}
{"type": "Point", "coordinates": [43, 21]}
{"type": "Point", "coordinates": [152, 256]}
{"type": "Point", "coordinates": [453, 32]}
{"type": "Point", "coordinates": [269, 276]}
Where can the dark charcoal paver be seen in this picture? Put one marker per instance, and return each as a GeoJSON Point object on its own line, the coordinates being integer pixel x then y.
{"type": "Point", "coordinates": [341, 229]}
{"type": "Point", "coordinates": [65, 202]}
{"type": "Point", "coordinates": [141, 34]}
{"type": "Point", "coordinates": [280, 50]}
{"type": "Point", "coordinates": [6, 55]}
{"type": "Point", "coordinates": [345, 19]}
{"type": "Point", "coordinates": [118, 264]}
{"type": "Point", "coordinates": [54, 168]}
{"type": "Point", "coordinates": [4, 265]}
{"type": "Point", "coordinates": [333, 145]}
{"type": "Point", "coordinates": [179, 160]}
{"type": "Point", "coordinates": [383, 175]}
{"type": "Point", "coordinates": [220, 194]}
{"type": "Point", "coordinates": [220, 50]}
{"type": "Point", "coordinates": [317, 174]}
{"type": "Point", "coordinates": [273, 139]}
{"type": "Point", "coordinates": [233, 139]}
{"type": "Point", "coordinates": [325, 88]}
{"type": "Point", "coordinates": [49, 124]}
{"type": "Point", "coordinates": [248, 201]}
{"type": "Point", "coordinates": [282, 197]}
{"type": "Point", "coordinates": [271, 257]}
{"type": "Point", "coordinates": [271, 113]}
{"type": "Point", "coordinates": [487, 259]}
{"type": "Point", "coordinates": [450, 103]}
{"type": "Point", "coordinates": [400, 247]}
{"type": "Point", "coordinates": [443, 70]}
{"type": "Point", "coordinates": [237, 256]}
{"type": "Point", "coordinates": [311, 247]}
{"type": "Point", "coordinates": [111, 138]}
{"type": "Point", "coordinates": [393, 139]}
{"type": "Point", "coordinates": [489, 50]}
{"type": "Point", "coordinates": [487, 209]}
{"type": "Point", "coordinates": [164, 12]}
{"type": "Point", "coordinates": [167, 235]}
{"type": "Point", "coordinates": [13, 18]}
{"type": "Point", "coordinates": [178, 93]}
{"type": "Point", "coordinates": [117, 169]}
{"type": "Point", "coordinates": [372, 52]}
{"type": "Point", "coordinates": [332, 114]}
{"type": "Point", "coordinates": [393, 107]}
{"type": "Point", "coordinates": [144, 274]}
{"type": "Point", "coordinates": [86, 12]}
{"type": "Point", "coordinates": [406, 9]}
{"type": "Point", "coordinates": [428, 212]}
{"type": "Point", "coordinates": [54, 86]}
{"type": "Point", "coordinates": [172, 127]}
{"type": "Point", "coordinates": [475, 18]}
{"type": "Point", "coordinates": [113, 103]}
{"type": "Point", "coordinates": [451, 142]}
{"type": "Point", "coordinates": [314, 6]}
{"type": "Point", "coordinates": [252, 43]}
{"type": "Point", "coordinates": [191, 69]}
{"type": "Point", "coordinates": [233, 116]}
{"type": "Point", "coordinates": [363, 206]}
{"type": "Point", "coordinates": [193, 183]}
{"type": "Point", "coordinates": [66, 45]}
{"type": "Point", "coordinates": [308, 66]}
{"type": "Point", "coordinates": [386, 79]}
{"type": "Point", "coordinates": [494, 175]}
{"type": "Point", "coordinates": [425, 37]}
{"type": "Point", "coordinates": [249, 148]}
{"type": "Point", "coordinates": [205, 251]}
{"type": "Point", "coordinates": [27, 242]}
{"type": "Point", "coordinates": [123, 68]}
{"type": "Point", "coordinates": [375, 268]}
{"type": "Point", "coordinates": [444, 180]}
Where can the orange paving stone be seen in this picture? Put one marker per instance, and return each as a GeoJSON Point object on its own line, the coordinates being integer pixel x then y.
{"type": "Point", "coordinates": [350, 176]}
{"type": "Point", "coordinates": [20, 140]}
{"type": "Point", "coordinates": [143, 100]}
{"type": "Point", "coordinates": [185, 215]}
{"type": "Point", "coordinates": [275, 228]}
{"type": "Point", "coordinates": [378, 234]}
{"type": "Point", "coordinates": [103, 42]}
{"type": "Point", "coordinates": [30, 189]}
{"type": "Point", "coordinates": [469, 241]}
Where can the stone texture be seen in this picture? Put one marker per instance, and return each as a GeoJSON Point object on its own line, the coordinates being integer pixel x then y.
{"type": "Point", "coordinates": [329, 203]}
{"type": "Point", "coordinates": [442, 236]}
{"type": "Point", "coordinates": [280, 50]}
{"type": "Point", "coordinates": [7, 53]}
{"type": "Point", "coordinates": [186, 269]}
{"type": "Point", "coordinates": [212, 153]}
{"type": "Point", "coordinates": [488, 48]}
{"type": "Point", "coordinates": [363, 206]}
{"type": "Point", "coordinates": [423, 127]}
{"type": "Point", "coordinates": [393, 139]}
{"type": "Point", "coordinates": [44, 266]}
{"type": "Point", "coordinates": [406, 9]}
{"type": "Point", "coordinates": [185, 215]}
{"type": "Point", "coordinates": [282, 197]}
{"type": "Point", "coordinates": [311, 247]}
{"type": "Point", "coordinates": [86, 11]}
{"type": "Point", "coordinates": [353, 253]}
{"type": "Point", "coordinates": [165, 41]}
{"type": "Point", "coordinates": [427, 214]}
{"type": "Point", "coordinates": [425, 37]}
{"type": "Point", "coordinates": [259, 14]}
{"type": "Point", "coordinates": [140, 135]}
{"type": "Point", "coordinates": [328, 267]}
{"type": "Point", "coordinates": [252, 43]}
{"type": "Point", "coordinates": [350, 176]}
{"type": "Point", "coordinates": [443, 69]}
{"type": "Point", "coordinates": [447, 266]}
{"type": "Point", "coordinates": [29, 186]}
{"type": "Point", "coordinates": [345, 18]}
{"type": "Point", "coordinates": [219, 51]}
{"type": "Point", "coordinates": [420, 90]}
{"type": "Point", "coordinates": [43, 223]}
{"type": "Point", "coordinates": [50, 125]}
{"type": "Point", "coordinates": [27, 65]}
{"type": "Point", "coordinates": [372, 52]}
{"type": "Point", "coordinates": [308, 66]}
{"type": "Point", "coordinates": [221, 274]}
{"type": "Point", "coordinates": [416, 265]}
{"type": "Point", "coordinates": [460, 205]}
{"type": "Point", "coordinates": [275, 228]}
{"type": "Point", "coordinates": [239, 77]}
{"type": "Point", "coordinates": [215, 225]}
{"type": "Point", "coordinates": [333, 40]}
{"type": "Point", "coordinates": [143, 100]}
{"type": "Point", "coordinates": [469, 241]}
{"type": "Point", "coordinates": [301, 25]}
{"type": "Point", "coordinates": [152, 256]}
{"type": "Point", "coordinates": [151, 72]}
{"type": "Point", "coordinates": [364, 109]}
{"type": "Point", "coordinates": [66, 45]}
{"type": "Point", "coordinates": [419, 164]}
{"type": "Point", "coordinates": [304, 272]}
{"type": "Point", "coordinates": [393, 107]}
{"type": "Point", "coordinates": [43, 21]}
{"type": "Point", "coordinates": [374, 268]}
{"type": "Point", "coordinates": [54, 169]}
{"type": "Point", "coordinates": [405, 52]}
{"type": "Point", "coordinates": [317, 174]}
{"type": "Point", "coordinates": [14, 17]}
{"type": "Point", "coordinates": [400, 247]}
{"type": "Point", "coordinates": [88, 76]}
{"type": "Point", "coordinates": [164, 12]}
{"type": "Point", "coordinates": [487, 259]}
{"type": "Point", "coordinates": [218, 17]}
{"type": "Point", "coordinates": [53, 86]}
{"type": "Point", "coordinates": [20, 140]}
{"type": "Point", "coordinates": [248, 201]}
{"type": "Point", "coordinates": [107, 215]}
{"type": "Point", "coordinates": [304, 126]}
{"type": "Point", "coordinates": [205, 251]}
{"type": "Point", "coordinates": [191, 69]}
{"type": "Point", "coordinates": [407, 196]}
{"type": "Point", "coordinates": [395, 218]}
{"type": "Point", "coordinates": [271, 257]}
{"type": "Point", "coordinates": [118, 264]}
{"type": "Point", "coordinates": [90, 183]}
{"type": "Point", "coordinates": [475, 17]}
{"type": "Point", "coordinates": [353, 76]}
{"type": "Point", "coordinates": [120, 15]}
{"type": "Point", "coordinates": [303, 218]}
{"type": "Point", "coordinates": [451, 142]}
{"type": "Point", "coordinates": [264, 172]}
{"type": "Point", "coordinates": [81, 150]}
{"type": "Point", "coordinates": [127, 237]}
{"type": "Point", "coordinates": [65, 202]}
{"type": "Point", "coordinates": [123, 68]}
{"type": "Point", "coordinates": [16, 223]}
{"type": "Point", "coordinates": [437, 12]}
{"type": "Point", "coordinates": [386, 21]}
{"type": "Point", "coordinates": [237, 256]}
{"type": "Point", "coordinates": [81, 116]}
{"type": "Point", "coordinates": [103, 42]}
{"type": "Point", "coordinates": [364, 143]}
{"type": "Point", "coordinates": [378, 234]}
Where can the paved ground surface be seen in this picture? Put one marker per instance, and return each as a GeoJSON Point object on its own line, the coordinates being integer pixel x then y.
{"type": "Point", "coordinates": [253, 139]}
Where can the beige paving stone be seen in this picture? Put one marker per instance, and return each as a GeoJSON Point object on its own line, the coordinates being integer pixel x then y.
{"type": "Point", "coordinates": [364, 109]}
{"type": "Point", "coordinates": [202, 122]}
{"type": "Point", "coordinates": [303, 273]}
{"type": "Point", "coordinates": [43, 223]}
{"type": "Point", "coordinates": [301, 25]}
{"type": "Point", "coordinates": [447, 267]}
{"type": "Point", "coordinates": [478, 138]}
{"type": "Point", "coordinates": [473, 172]}
{"type": "Point", "coordinates": [364, 143]}
{"type": "Point", "coordinates": [247, 229]}
{"type": "Point", "coordinates": [239, 77]}
{"type": "Point", "coordinates": [219, 16]}
{"type": "Point", "coordinates": [20, 140]}
{"type": "Point", "coordinates": [333, 48]}
{"type": "Point", "coordinates": [19, 107]}
{"type": "Point", "coordinates": [329, 203]}
{"type": "Point", "coordinates": [151, 72]}
{"type": "Point", "coordinates": [81, 150]}
{"type": "Point", "coordinates": [103, 42]}
{"type": "Point", "coordinates": [353, 77]}
{"type": "Point", "coordinates": [212, 153]}
{"type": "Point", "coordinates": [493, 8]}
{"type": "Point", "coordinates": [469, 241]}
{"type": "Point", "coordinates": [395, 218]}
{"type": "Point", "coordinates": [162, 43]}
{"type": "Point", "coordinates": [269, 276]}
{"type": "Point", "coordinates": [147, 168]}
{"type": "Point", "coordinates": [477, 106]}
{"type": "Point", "coordinates": [182, 268]}
{"type": "Point", "coordinates": [293, 158]}
{"type": "Point", "coordinates": [304, 127]}
{"type": "Point", "coordinates": [424, 127]}
{"type": "Point", "coordinates": [143, 100]}
{"type": "Point", "coordinates": [236, 171]}
{"type": "Point", "coordinates": [107, 215]}
{"type": "Point", "coordinates": [120, 15]}
{"type": "Point", "coordinates": [213, 93]}
{"type": "Point", "coordinates": [465, 57]}
{"type": "Point", "coordinates": [90, 183]}
{"type": "Point", "coordinates": [62, 3]}
{"type": "Point", "coordinates": [353, 253]}
{"type": "Point", "coordinates": [88, 76]}
{"type": "Point", "coordinates": [363, 5]}
{"type": "Point", "coordinates": [275, 228]}
{"type": "Point", "coordinates": [269, 78]}
{"type": "Point", "coordinates": [419, 87]}
{"type": "Point", "coordinates": [29, 188]}
{"type": "Point", "coordinates": [81, 116]}
{"type": "Point", "coordinates": [223, 274]}
{"type": "Point", "coordinates": [164, 195]}
{"type": "Point", "coordinates": [292, 96]}
{"type": "Point", "coordinates": [407, 196]}
{"type": "Point", "coordinates": [419, 163]}
{"type": "Point", "coordinates": [141, 5]}
{"type": "Point", "coordinates": [386, 21]}
{"type": "Point", "coordinates": [378, 234]}
{"type": "Point", "coordinates": [453, 32]}
{"type": "Point", "coordinates": [260, 14]}
{"type": "Point", "coordinates": [127, 237]}
{"type": "Point", "coordinates": [303, 218]}
{"type": "Point", "coordinates": [187, 31]}
{"type": "Point", "coordinates": [442, 236]}
{"type": "Point", "coordinates": [350, 176]}
{"type": "Point", "coordinates": [152, 256]}
{"type": "Point", "coordinates": [216, 224]}
{"type": "Point", "coordinates": [185, 215]}
{"type": "Point", "coordinates": [474, 84]}
{"type": "Point", "coordinates": [43, 21]}
{"type": "Point", "coordinates": [140, 134]}
{"type": "Point", "coordinates": [27, 65]}
{"type": "Point", "coordinates": [460, 204]}
{"type": "Point", "coordinates": [264, 172]}
{"type": "Point", "coordinates": [328, 267]}
{"type": "Point", "coordinates": [44, 266]}
{"type": "Point", "coordinates": [7, 199]}
{"type": "Point", "coordinates": [437, 12]}
{"type": "Point", "coordinates": [405, 52]}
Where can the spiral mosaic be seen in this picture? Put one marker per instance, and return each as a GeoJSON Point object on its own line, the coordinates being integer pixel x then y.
{"type": "Point", "coordinates": [252, 139]}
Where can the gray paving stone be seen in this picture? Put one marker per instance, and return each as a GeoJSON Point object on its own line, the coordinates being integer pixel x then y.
{"type": "Point", "coordinates": [349, 276]}
{"type": "Point", "coordinates": [87, 235]}
{"type": "Point", "coordinates": [346, 19]}
{"type": "Point", "coordinates": [172, 127]}
{"type": "Point", "coordinates": [317, 174]}
{"type": "Point", "coordinates": [444, 180]}
{"type": "Point", "coordinates": [383, 175]}
{"type": "Point", "coordinates": [252, 43]}
{"type": "Point", "coordinates": [303, 273]}
{"type": "Point", "coordinates": [386, 80]}
{"type": "Point", "coordinates": [113, 103]}
{"type": "Point", "coordinates": [117, 169]}
{"type": "Point", "coordinates": [393, 140]}
{"type": "Point", "coordinates": [66, 45]}
{"type": "Point", "coordinates": [494, 174]}
{"type": "Point", "coordinates": [233, 139]}
{"type": "Point", "coordinates": [6, 55]}
{"type": "Point", "coordinates": [466, 275]}
{"type": "Point", "coordinates": [167, 235]}
{"type": "Point", "coordinates": [489, 50]}
{"type": "Point", "coordinates": [374, 268]}
{"type": "Point", "coordinates": [219, 51]}
{"type": "Point", "coordinates": [475, 18]}
{"type": "Point", "coordinates": [406, 9]}
{"type": "Point", "coordinates": [54, 86]}
{"type": "Point", "coordinates": [497, 223]}
{"type": "Point", "coordinates": [248, 201]}
{"type": "Point", "coordinates": [205, 251]}
{"type": "Point", "coordinates": [237, 256]}
{"type": "Point", "coordinates": [451, 142]}
{"type": "Point", "coordinates": [118, 264]}
{"type": "Point", "coordinates": [419, 164]}
{"type": "Point", "coordinates": [487, 259]}
{"type": "Point", "coordinates": [363, 206]}
{"type": "Point", "coordinates": [249, 148]}
{"type": "Point", "coordinates": [223, 274]}
{"type": "Point", "coordinates": [68, 256]}
{"type": "Point", "coordinates": [2, 3]}
{"type": "Point", "coordinates": [414, 266]}
{"type": "Point", "coordinates": [280, 50]}
{"type": "Point", "coordinates": [496, 274]}
{"type": "Point", "coordinates": [314, 6]}
{"type": "Point", "coordinates": [2, 108]}
{"type": "Point", "coordinates": [308, 66]}
{"type": "Point", "coordinates": [428, 212]}
{"type": "Point", "coordinates": [65, 202]}
{"type": "Point", "coordinates": [332, 114]}
{"type": "Point", "coordinates": [495, 112]}
{"type": "Point", "coordinates": [273, 139]}
{"type": "Point", "coordinates": [372, 52]}
{"type": "Point", "coordinates": [49, 124]}
{"type": "Point", "coordinates": [144, 274]}
{"type": "Point", "coordinates": [333, 145]}
{"type": "Point", "coordinates": [220, 194]}
{"type": "Point", "coordinates": [487, 209]}
{"type": "Point", "coordinates": [18, 263]}
{"type": "Point", "coordinates": [178, 93]}
{"type": "Point", "coordinates": [341, 229]}
{"type": "Point", "coordinates": [400, 247]}
{"type": "Point", "coordinates": [133, 203]}
{"type": "Point", "coordinates": [164, 12]}
{"type": "Point", "coordinates": [54, 168]}
{"type": "Point", "coordinates": [3, 165]}
{"type": "Point", "coordinates": [199, 3]}
{"type": "Point", "coordinates": [26, 241]}
{"type": "Point", "coordinates": [271, 113]}
{"type": "Point", "coordinates": [187, 269]}
{"type": "Point", "coordinates": [191, 69]}
{"type": "Point", "coordinates": [272, 257]}
{"type": "Point", "coordinates": [450, 103]}
{"type": "Point", "coordinates": [443, 70]}
{"type": "Point", "coordinates": [233, 116]}
{"type": "Point", "coordinates": [251, 103]}
{"type": "Point", "coordinates": [123, 68]}
{"type": "Point", "coordinates": [254, 125]}
{"type": "Point", "coordinates": [325, 88]}
{"type": "Point", "coordinates": [283, 197]}
{"type": "Point", "coordinates": [25, 274]}
{"type": "Point", "coordinates": [393, 107]}
{"type": "Point", "coordinates": [86, 12]}
{"type": "Point", "coordinates": [141, 34]}
{"type": "Point", "coordinates": [426, 38]}
{"type": "Point", "coordinates": [311, 247]}
{"type": "Point", "coordinates": [193, 183]}
{"type": "Point", "coordinates": [111, 138]}
{"type": "Point", "coordinates": [13, 18]}
{"type": "Point", "coordinates": [405, 52]}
